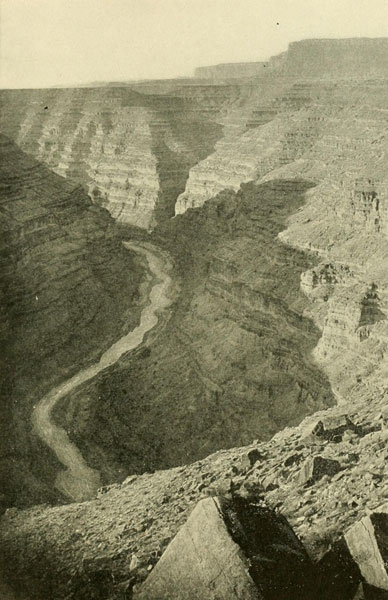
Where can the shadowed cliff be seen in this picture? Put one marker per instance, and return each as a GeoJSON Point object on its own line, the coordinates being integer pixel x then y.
{"type": "Point", "coordinates": [68, 289]}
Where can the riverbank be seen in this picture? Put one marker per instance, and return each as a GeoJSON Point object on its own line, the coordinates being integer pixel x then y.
{"type": "Point", "coordinates": [78, 481]}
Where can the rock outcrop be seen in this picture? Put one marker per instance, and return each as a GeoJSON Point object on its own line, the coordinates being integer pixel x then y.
{"type": "Point", "coordinates": [238, 548]}
{"type": "Point", "coordinates": [233, 549]}
{"type": "Point", "coordinates": [201, 562]}
{"type": "Point", "coordinates": [68, 288]}
{"type": "Point", "coordinates": [367, 542]}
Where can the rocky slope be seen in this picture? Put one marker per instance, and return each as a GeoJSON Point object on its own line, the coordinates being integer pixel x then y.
{"type": "Point", "coordinates": [116, 539]}
{"type": "Point", "coordinates": [68, 289]}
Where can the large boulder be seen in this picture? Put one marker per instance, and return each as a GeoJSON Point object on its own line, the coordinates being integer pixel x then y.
{"type": "Point", "coordinates": [356, 567]}
{"type": "Point", "coordinates": [231, 549]}
{"type": "Point", "coordinates": [367, 541]}
{"type": "Point", "coordinates": [338, 576]}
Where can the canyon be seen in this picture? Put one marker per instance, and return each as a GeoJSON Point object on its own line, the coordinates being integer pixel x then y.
{"type": "Point", "coordinates": [264, 188]}
{"type": "Point", "coordinates": [78, 481]}
{"type": "Point", "coordinates": [61, 259]}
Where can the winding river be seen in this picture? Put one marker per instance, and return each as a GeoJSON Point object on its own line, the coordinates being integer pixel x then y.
{"type": "Point", "coordinates": [78, 481]}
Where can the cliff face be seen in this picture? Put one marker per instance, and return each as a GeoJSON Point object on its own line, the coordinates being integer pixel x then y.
{"type": "Point", "coordinates": [351, 58]}
{"type": "Point", "coordinates": [231, 70]}
{"type": "Point", "coordinates": [268, 131]}
{"type": "Point", "coordinates": [130, 151]}
{"type": "Point", "coordinates": [336, 138]}
{"type": "Point", "coordinates": [68, 289]}
{"type": "Point", "coordinates": [338, 58]}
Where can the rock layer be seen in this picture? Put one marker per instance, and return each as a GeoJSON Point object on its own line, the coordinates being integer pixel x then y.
{"type": "Point", "coordinates": [69, 287]}
{"type": "Point", "coordinates": [130, 151]}
{"type": "Point", "coordinates": [335, 136]}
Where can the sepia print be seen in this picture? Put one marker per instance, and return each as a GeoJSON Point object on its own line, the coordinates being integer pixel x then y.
{"type": "Point", "coordinates": [194, 300]}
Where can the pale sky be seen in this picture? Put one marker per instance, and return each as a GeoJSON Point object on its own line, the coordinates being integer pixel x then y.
{"type": "Point", "coordinates": [57, 42]}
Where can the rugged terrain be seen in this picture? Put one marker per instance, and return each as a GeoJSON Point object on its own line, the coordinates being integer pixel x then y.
{"type": "Point", "coordinates": [131, 151]}
{"type": "Point", "coordinates": [117, 538]}
{"type": "Point", "coordinates": [279, 243]}
{"type": "Point", "coordinates": [68, 289]}
{"type": "Point", "coordinates": [233, 363]}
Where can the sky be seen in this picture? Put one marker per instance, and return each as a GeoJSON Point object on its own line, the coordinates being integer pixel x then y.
{"type": "Point", "coordinates": [61, 42]}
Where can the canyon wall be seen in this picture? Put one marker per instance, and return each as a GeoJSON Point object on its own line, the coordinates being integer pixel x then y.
{"type": "Point", "coordinates": [68, 289]}
{"type": "Point", "coordinates": [155, 136]}
{"type": "Point", "coordinates": [350, 58]}
{"type": "Point", "coordinates": [337, 58]}
{"type": "Point", "coordinates": [336, 138]}
{"type": "Point", "coordinates": [132, 147]}
{"type": "Point", "coordinates": [130, 151]}
{"type": "Point", "coordinates": [231, 70]}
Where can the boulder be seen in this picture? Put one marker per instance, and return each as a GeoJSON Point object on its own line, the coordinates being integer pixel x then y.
{"type": "Point", "coordinates": [293, 459]}
{"type": "Point", "coordinates": [231, 549]}
{"type": "Point", "coordinates": [316, 467]}
{"type": "Point", "coordinates": [331, 428]}
{"type": "Point", "coordinates": [311, 430]}
{"type": "Point", "coordinates": [252, 456]}
{"type": "Point", "coordinates": [367, 541]}
{"type": "Point", "coordinates": [338, 576]}
{"type": "Point", "coordinates": [355, 567]}
{"type": "Point", "coordinates": [202, 561]}
{"type": "Point", "coordinates": [248, 460]}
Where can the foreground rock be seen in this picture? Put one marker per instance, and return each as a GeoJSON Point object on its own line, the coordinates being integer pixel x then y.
{"type": "Point", "coordinates": [113, 542]}
{"type": "Point", "coordinates": [367, 541]}
{"type": "Point", "coordinates": [317, 467]}
{"type": "Point", "coordinates": [355, 568]}
{"type": "Point", "coordinates": [231, 550]}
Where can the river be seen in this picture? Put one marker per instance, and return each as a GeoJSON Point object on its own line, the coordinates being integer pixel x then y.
{"type": "Point", "coordinates": [78, 481]}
